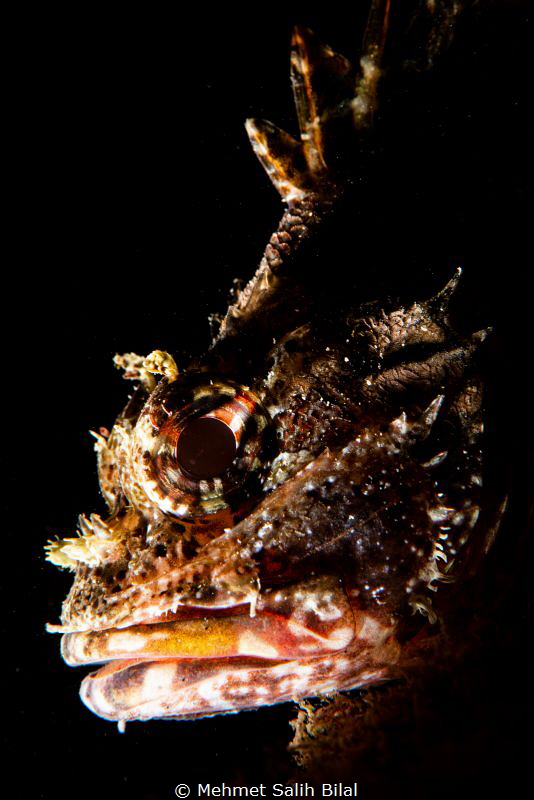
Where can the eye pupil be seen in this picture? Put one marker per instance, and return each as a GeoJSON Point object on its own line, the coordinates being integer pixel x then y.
{"type": "Point", "coordinates": [206, 447]}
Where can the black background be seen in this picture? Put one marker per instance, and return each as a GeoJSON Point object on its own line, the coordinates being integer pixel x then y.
{"type": "Point", "coordinates": [136, 203]}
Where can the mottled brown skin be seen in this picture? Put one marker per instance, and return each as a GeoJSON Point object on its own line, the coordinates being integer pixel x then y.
{"type": "Point", "coordinates": [360, 462]}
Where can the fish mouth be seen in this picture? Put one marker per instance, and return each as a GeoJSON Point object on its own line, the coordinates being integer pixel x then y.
{"type": "Point", "coordinates": [301, 640]}
{"type": "Point", "coordinates": [262, 614]}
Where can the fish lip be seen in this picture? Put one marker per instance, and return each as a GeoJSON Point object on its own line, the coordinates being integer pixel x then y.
{"type": "Point", "coordinates": [309, 618]}
{"type": "Point", "coordinates": [185, 614]}
{"type": "Point", "coordinates": [96, 698]}
{"type": "Point", "coordinates": [187, 688]}
{"type": "Point", "coordinates": [333, 647]}
{"type": "Point", "coordinates": [181, 612]}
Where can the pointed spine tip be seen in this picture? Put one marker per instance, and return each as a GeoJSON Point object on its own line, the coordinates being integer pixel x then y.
{"type": "Point", "coordinates": [443, 297]}
{"type": "Point", "coordinates": [278, 153]}
{"type": "Point", "coordinates": [430, 413]}
{"type": "Point", "coordinates": [301, 37]}
{"type": "Point", "coordinates": [399, 426]}
{"type": "Point", "coordinates": [296, 35]}
{"type": "Point", "coordinates": [436, 460]}
{"type": "Point", "coordinates": [480, 336]}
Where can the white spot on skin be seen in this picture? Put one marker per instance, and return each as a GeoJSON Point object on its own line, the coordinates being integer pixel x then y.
{"type": "Point", "coordinates": [158, 678]}
{"type": "Point", "coordinates": [440, 514]}
{"type": "Point", "coordinates": [372, 630]}
{"type": "Point", "coordinates": [240, 690]}
{"type": "Point", "coordinates": [322, 607]}
{"type": "Point", "coordinates": [340, 638]}
{"type": "Point", "coordinates": [128, 643]}
{"type": "Point", "coordinates": [264, 531]}
{"type": "Point", "coordinates": [376, 595]}
{"type": "Point", "coordinates": [252, 645]}
{"type": "Point", "coordinates": [210, 691]}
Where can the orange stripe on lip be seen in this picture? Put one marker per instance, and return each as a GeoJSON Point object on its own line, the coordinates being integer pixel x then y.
{"type": "Point", "coordinates": [320, 622]}
{"type": "Point", "coordinates": [265, 636]}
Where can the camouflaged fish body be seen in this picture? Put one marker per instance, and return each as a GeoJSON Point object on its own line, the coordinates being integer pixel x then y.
{"type": "Point", "coordinates": [279, 509]}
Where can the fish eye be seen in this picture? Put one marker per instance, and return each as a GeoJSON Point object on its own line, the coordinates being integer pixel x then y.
{"type": "Point", "coordinates": [206, 447]}
{"type": "Point", "coordinates": [201, 447]}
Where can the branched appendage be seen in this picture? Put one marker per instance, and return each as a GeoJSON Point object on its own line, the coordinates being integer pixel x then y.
{"type": "Point", "coordinates": [96, 541]}
{"type": "Point", "coordinates": [134, 369]}
{"type": "Point", "coordinates": [323, 85]}
{"type": "Point", "coordinates": [159, 362]}
{"type": "Point", "coordinates": [142, 369]}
